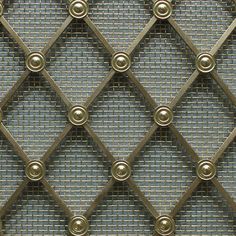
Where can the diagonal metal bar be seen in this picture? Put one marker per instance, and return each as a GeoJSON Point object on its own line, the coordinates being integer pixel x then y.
{"type": "Point", "coordinates": [224, 146]}
{"type": "Point", "coordinates": [18, 150]}
{"type": "Point", "coordinates": [57, 142]}
{"type": "Point", "coordinates": [223, 38]}
{"type": "Point", "coordinates": [140, 87]}
{"type": "Point", "coordinates": [99, 89]}
{"type": "Point", "coordinates": [150, 208]}
{"type": "Point", "coordinates": [57, 198]}
{"type": "Point", "coordinates": [14, 35]}
{"type": "Point", "coordinates": [99, 35]}
{"type": "Point", "coordinates": [58, 33]}
{"type": "Point", "coordinates": [13, 198]}
{"type": "Point", "coordinates": [99, 198]}
{"type": "Point", "coordinates": [14, 88]}
{"type": "Point", "coordinates": [185, 197]}
{"type": "Point", "coordinates": [97, 140]}
{"type": "Point", "coordinates": [184, 143]}
{"type": "Point", "coordinates": [56, 88]}
{"type": "Point", "coordinates": [184, 89]}
{"type": "Point", "coordinates": [141, 35]}
{"type": "Point", "coordinates": [184, 36]}
{"type": "Point", "coordinates": [142, 143]}
{"type": "Point", "coordinates": [225, 194]}
{"type": "Point", "coordinates": [224, 87]}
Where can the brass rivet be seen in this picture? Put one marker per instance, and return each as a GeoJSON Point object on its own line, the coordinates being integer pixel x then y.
{"type": "Point", "coordinates": [162, 9]}
{"type": "Point", "coordinates": [78, 226]}
{"type": "Point", "coordinates": [206, 170]}
{"type": "Point", "coordinates": [205, 62]}
{"type": "Point", "coordinates": [78, 115]}
{"type": "Point", "coordinates": [35, 170]}
{"type": "Point", "coordinates": [78, 9]}
{"type": "Point", "coordinates": [121, 62]}
{"type": "Point", "coordinates": [121, 170]}
{"type": "Point", "coordinates": [35, 62]}
{"type": "Point", "coordinates": [163, 116]}
{"type": "Point", "coordinates": [1, 9]}
{"type": "Point", "coordinates": [165, 225]}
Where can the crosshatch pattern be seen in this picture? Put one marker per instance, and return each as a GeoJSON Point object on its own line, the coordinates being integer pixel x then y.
{"type": "Point", "coordinates": [150, 149]}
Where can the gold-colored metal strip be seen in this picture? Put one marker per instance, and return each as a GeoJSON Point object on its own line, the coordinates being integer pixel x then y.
{"type": "Point", "coordinates": [99, 143]}
{"type": "Point", "coordinates": [224, 146]}
{"type": "Point", "coordinates": [225, 194]}
{"type": "Point", "coordinates": [57, 142]}
{"type": "Point", "coordinates": [18, 150]}
{"type": "Point", "coordinates": [57, 198]}
{"type": "Point", "coordinates": [150, 208]}
{"type": "Point", "coordinates": [99, 198]}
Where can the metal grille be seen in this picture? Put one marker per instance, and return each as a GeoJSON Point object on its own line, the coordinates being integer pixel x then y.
{"type": "Point", "coordinates": [117, 117]}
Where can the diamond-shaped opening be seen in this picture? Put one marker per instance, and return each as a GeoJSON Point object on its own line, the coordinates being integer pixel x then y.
{"type": "Point", "coordinates": [11, 170]}
{"type": "Point", "coordinates": [35, 112]}
{"type": "Point", "coordinates": [35, 213]}
{"type": "Point", "coordinates": [204, 21]}
{"type": "Point", "coordinates": [163, 63]}
{"type": "Point", "coordinates": [78, 171]}
{"type": "Point", "coordinates": [121, 213]}
{"type": "Point", "coordinates": [163, 171]}
{"type": "Point", "coordinates": [12, 62]}
{"type": "Point", "coordinates": [205, 116]}
{"type": "Point", "coordinates": [226, 62]}
{"type": "Point", "coordinates": [78, 62]}
{"type": "Point", "coordinates": [120, 117]}
{"type": "Point", "coordinates": [227, 169]}
{"type": "Point", "coordinates": [35, 21]}
{"type": "Point", "coordinates": [120, 21]}
{"type": "Point", "coordinates": [206, 213]}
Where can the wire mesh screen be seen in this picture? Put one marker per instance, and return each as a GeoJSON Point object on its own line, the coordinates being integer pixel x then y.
{"type": "Point", "coordinates": [117, 117]}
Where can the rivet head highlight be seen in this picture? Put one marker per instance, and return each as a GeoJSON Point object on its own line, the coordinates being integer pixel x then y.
{"type": "Point", "coordinates": [206, 170]}
{"type": "Point", "coordinates": [35, 170]}
{"type": "Point", "coordinates": [121, 62]}
{"type": "Point", "coordinates": [205, 62]}
{"type": "Point", "coordinates": [162, 9]}
{"type": "Point", "coordinates": [165, 225]}
{"type": "Point", "coordinates": [163, 116]}
{"type": "Point", "coordinates": [78, 9]}
{"type": "Point", "coordinates": [1, 9]}
{"type": "Point", "coordinates": [78, 226]}
{"type": "Point", "coordinates": [121, 170]}
{"type": "Point", "coordinates": [35, 62]}
{"type": "Point", "coordinates": [78, 115]}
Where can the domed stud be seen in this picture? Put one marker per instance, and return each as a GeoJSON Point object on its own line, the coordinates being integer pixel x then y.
{"type": "Point", "coordinates": [165, 225]}
{"type": "Point", "coordinates": [162, 9]}
{"type": "Point", "coordinates": [78, 115]}
{"type": "Point", "coordinates": [205, 62]}
{"type": "Point", "coordinates": [78, 226]}
{"type": "Point", "coordinates": [78, 9]}
{"type": "Point", "coordinates": [35, 62]}
{"type": "Point", "coordinates": [206, 170]}
{"type": "Point", "coordinates": [1, 9]}
{"type": "Point", "coordinates": [163, 116]}
{"type": "Point", "coordinates": [121, 62]}
{"type": "Point", "coordinates": [35, 170]}
{"type": "Point", "coordinates": [121, 170]}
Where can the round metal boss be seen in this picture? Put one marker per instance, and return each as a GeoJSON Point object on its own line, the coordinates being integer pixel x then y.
{"type": "Point", "coordinates": [78, 115]}
{"type": "Point", "coordinates": [35, 62]}
{"type": "Point", "coordinates": [121, 62]}
{"type": "Point", "coordinates": [120, 170]}
{"type": "Point", "coordinates": [1, 9]}
{"type": "Point", "coordinates": [163, 116]}
{"type": "Point", "coordinates": [165, 225]}
{"type": "Point", "coordinates": [78, 226]}
{"type": "Point", "coordinates": [205, 62]}
{"type": "Point", "coordinates": [162, 9]}
{"type": "Point", "coordinates": [78, 9]}
{"type": "Point", "coordinates": [206, 170]}
{"type": "Point", "coordinates": [35, 170]}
